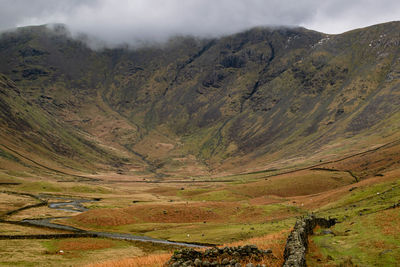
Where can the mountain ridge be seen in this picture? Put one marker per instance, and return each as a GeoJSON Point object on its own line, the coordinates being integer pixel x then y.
{"type": "Point", "coordinates": [248, 101]}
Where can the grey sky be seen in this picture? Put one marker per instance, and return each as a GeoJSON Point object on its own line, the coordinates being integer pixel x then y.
{"type": "Point", "coordinates": [117, 21]}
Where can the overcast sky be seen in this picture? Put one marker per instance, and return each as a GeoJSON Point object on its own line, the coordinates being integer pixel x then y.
{"type": "Point", "coordinates": [117, 21]}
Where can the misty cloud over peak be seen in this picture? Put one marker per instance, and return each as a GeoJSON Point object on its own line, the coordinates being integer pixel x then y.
{"type": "Point", "coordinates": [138, 21]}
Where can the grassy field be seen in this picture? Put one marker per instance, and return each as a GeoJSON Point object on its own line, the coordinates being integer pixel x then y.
{"type": "Point", "coordinates": [221, 141]}
{"type": "Point", "coordinates": [370, 240]}
{"type": "Point", "coordinates": [367, 232]}
{"type": "Point", "coordinates": [256, 208]}
{"type": "Point", "coordinates": [75, 252]}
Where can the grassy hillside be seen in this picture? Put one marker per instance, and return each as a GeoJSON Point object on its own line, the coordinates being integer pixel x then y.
{"type": "Point", "coordinates": [190, 107]}
{"type": "Point", "coordinates": [34, 139]}
{"type": "Point", "coordinates": [222, 141]}
{"type": "Point", "coordinates": [361, 191]}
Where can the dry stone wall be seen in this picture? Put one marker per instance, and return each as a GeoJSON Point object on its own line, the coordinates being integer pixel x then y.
{"type": "Point", "coordinates": [227, 256]}
{"type": "Point", "coordinates": [297, 242]}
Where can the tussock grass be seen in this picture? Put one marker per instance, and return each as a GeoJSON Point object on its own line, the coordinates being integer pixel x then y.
{"type": "Point", "coordinates": [276, 242]}
{"type": "Point", "coordinates": [154, 260]}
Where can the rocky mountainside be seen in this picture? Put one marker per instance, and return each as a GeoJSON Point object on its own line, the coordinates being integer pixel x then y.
{"type": "Point", "coordinates": [245, 102]}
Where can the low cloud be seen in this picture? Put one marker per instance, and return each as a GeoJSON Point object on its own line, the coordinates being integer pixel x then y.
{"type": "Point", "coordinates": [137, 21]}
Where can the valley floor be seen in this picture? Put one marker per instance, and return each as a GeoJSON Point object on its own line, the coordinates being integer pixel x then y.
{"type": "Point", "coordinates": [260, 208]}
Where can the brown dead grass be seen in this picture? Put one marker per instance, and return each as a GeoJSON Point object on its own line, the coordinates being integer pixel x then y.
{"type": "Point", "coordinates": [9, 202]}
{"type": "Point", "coordinates": [105, 217]}
{"type": "Point", "coordinates": [178, 213]}
{"type": "Point", "coordinates": [266, 200]}
{"type": "Point", "coordinates": [39, 212]}
{"type": "Point", "coordinates": [39, 252]}
{"type": "Point", "coordinates": [154, 260]}
{"type": "Point", "coordinates": [276, 242]}
{"type": "Point", "coordinates": [84, 244]}
{"type": "Point", "coordinates": [164, 190]}
{"type": "Point", "coordinates": [377, 244]}
{"type": "Point", "coordinates": [295, 184]}
{"type": "Point", "coordinates": [314, 255]}
{"type": "Point", "coordinates": [14, 229]}
{"type": "Point", "coordinates": [388, 221]}
{"type": "Point", "coordinates": [266, 242]}
{"type": "Point", "coordinates": [369, 164]}
{"type": "Point", "coordinates": [315, 201]}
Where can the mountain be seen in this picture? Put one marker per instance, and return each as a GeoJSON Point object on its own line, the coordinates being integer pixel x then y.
{"type": "Point", "coordinates": [256, 100]}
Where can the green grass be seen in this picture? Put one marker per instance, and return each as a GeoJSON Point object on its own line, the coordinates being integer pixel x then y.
{"type": "Point", "coordinates": [364, 200]}
{"type": "Point", "coordinates": [43, 186]}
{"type": "Point", "coordinates": [214, 233]}
{"type": "Point", "coordinates": [241, 222]}
{"type": "Point", "coordinates": [362, 240]}
{"type": "Point", "coordinates": [50, 245]}
{"type": "Point", "coordinates": [44, 252]}
{"type": "Point", "coordinates": [367, 234]}
{"type": "Point", "coordinates": [40, 187]}
{"type": "Point", "coordinates": [6, 178]}
{"type": "Point", "coordinates": [254, 133]}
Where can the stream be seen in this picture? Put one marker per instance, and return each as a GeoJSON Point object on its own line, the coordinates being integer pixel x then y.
{"type": "Point", "coordinates": [75, 205]}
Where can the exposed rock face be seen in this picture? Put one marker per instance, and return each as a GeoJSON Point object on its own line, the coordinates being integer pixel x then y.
{"type": "Point", "coordinates": [227, 256]}
{"type": "Point", "coordinates": [297, 242]}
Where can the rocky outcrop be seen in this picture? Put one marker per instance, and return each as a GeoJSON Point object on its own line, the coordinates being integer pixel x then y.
{"type": "Point", "coordinates": [227, 256]}
{"type": "Point", "coordinates": [297, 242]}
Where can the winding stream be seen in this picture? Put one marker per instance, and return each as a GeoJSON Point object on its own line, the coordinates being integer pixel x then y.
{"type": "Point", "coordinates": [75, 205]}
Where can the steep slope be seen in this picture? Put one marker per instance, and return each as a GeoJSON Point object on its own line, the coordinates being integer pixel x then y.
{"type": "Point", "coordinates": [258, 92]}
{"type": "Point", "coordinates": [259, 99]}
{"type": "Point", "coordinates": [32, 138]}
